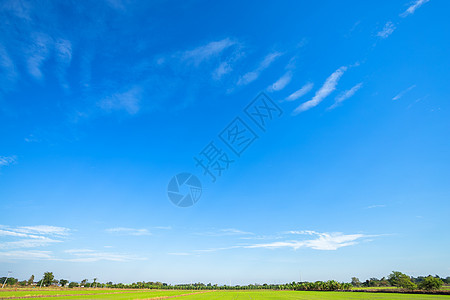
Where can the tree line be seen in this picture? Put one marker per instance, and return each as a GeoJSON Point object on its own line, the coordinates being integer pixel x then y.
{"type": "Point", "coordinates": [395, 279]}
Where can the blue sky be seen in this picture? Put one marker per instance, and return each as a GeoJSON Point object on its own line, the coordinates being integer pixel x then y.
{"type": "Point", "coordinates": [101, 104]}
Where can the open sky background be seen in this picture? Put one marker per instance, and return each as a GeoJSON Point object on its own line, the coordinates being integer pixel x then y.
{"type": "Point", "coordinates": [102, 102]}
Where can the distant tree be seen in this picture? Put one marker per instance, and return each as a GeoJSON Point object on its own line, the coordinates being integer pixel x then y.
{"type": "Point", "coordinates": [63, 282]}
{"type": "Point", "coordinates": [83, 282]}
{"type": "Point", "coordinates": [431, 283]}
{"type": "Point", "coordinates": [447, 280]}
{"type": "Point", "coordinates": [9, 281]}
{"type": "Point", "coordinates": [401, 280]}
{"type": "Point", "coordinates": [48, 279]}
{"type": "Point", "coordinates": [406, 283]}
{"type": "Point", "coordinates": [31, 280]}
{"type": "Point", "coordinates": [94, 283]}
{"type": "Point", "coordinates": [73, 284]}
{"type": "Point", "coordinates": [356, 282]}
{"type": "Point", "coordinates": [23, 283]}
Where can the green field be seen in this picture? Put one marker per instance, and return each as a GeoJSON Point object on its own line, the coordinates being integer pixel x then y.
{"type": "Point", "coordinates": [212, 295]}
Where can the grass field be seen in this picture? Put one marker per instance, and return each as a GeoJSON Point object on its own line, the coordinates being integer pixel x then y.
{"type": "Point", "coordinates": [213, 295]}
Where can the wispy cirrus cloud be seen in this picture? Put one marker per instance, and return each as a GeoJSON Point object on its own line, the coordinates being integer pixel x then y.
{"type": "Point", "coordinates": [129, 231]}
{"type": "Point", "coordinates": [205, 52]}
{"type": "Point", "coordinates": [402, 93]}
{"type": "Point", "coordinates": [37, 53]}
{"type": "Point", "coordinates": [26, 255]}
{"type": "Point", "coordinates": [313, 240]}
{"type": "Point", "coordinates": [128, 101]}
{"type": "Point", "coordinates": [89, 255]}
{"type": "Point", "coordinates": [31, 236]}
{"type": "Point", "coordinates": [327, 88]}
{"type": "Point", "coordinates": [225, 232]}
{"type": "Point", "coordinates": [345, 95]}
{"type": "Point", "coordinates": [387, 30]}
{"type": "Point", "coordinates": [7, 160]}
{"type": "Point", "coordinates": [253, 75]}
{"type": "Point", "coordinates": [281, 82]}
{"type": "Point", "coordinates": [300, 92]}
{"type": "Point", "coordinates": [44, 230]}
{"type": "Point", "coordinates": [376, 206]}
{"type": "Point", "coordinates": [8, 70]}
{"type": "Point", "coordinates": [412, 8]}
{"type": "Point", "coordinates": [322, 241]}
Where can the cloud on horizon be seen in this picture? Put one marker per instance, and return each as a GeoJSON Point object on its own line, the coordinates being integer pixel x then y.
{"type": "Point", "coordinates": [129, 231]}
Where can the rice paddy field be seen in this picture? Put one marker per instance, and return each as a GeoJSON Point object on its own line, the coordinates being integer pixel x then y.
{"type": "Point", "coordinates": [204, 295]}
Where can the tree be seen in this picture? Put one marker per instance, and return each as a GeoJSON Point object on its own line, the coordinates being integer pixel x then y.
{"type": "Point", "coordinates": [94, 283]}
{"type": "Point", "coordinates": [431, 283]}
{"type": "Point", "coordinates": [63, 282]}
{"type": "Point", "coordinates": [399, 279]}
{"type": "Point", "coordinates": [73, 284]}
{"type": "Point", "coordinates": [83, 282]}
{"type": "Point", "coordinates": [48, 279]}
{"type": "Point", "coordinates": [406, 283]}
{"type": "Point", "coordinates": [355, 281]}
{"type": "Point", "coordinates": [31, 280]}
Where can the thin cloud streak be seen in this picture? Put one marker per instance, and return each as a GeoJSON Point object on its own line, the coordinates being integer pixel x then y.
{"type": "Point", "coordinates": [402, 93]}
{"type": "Point", "coordinates": [300, 92]}
{"type": "Point", "coordinates": [327, 88]}
{"type": "Point", "coordinates": [253, 75]}
{"type": "Point", "coordinates": [328, 241]}
{"type": "Point", "coordinates": [129, 231]}
{"type": "Point", "coordinates": [203, 53]}
{"type": "Point", "coordinates": [345, 95]}
{"type": "Point", "coordinates": [281, 83]}
{"type": "Point", "coordinates": [387, 30]}
{"type": "Point", "coordinates": [7, 160]}
{"type": "Point", "coordinates": [411, 9]}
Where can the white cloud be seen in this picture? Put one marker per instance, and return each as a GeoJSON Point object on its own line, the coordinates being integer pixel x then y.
{"type": "Point", "coordinates": [281, 83]}
{"type": "Point", "coordinates": [411, 9]}
{"type": "Point", "coordinates": [7, 160]}
{"type": "Point", "coordinates": [88, 255]}
{"type": "Point", "coordinates": [128, 101]}
{"type": "Point", "coordinates": [31, 236]}
{"type": "Point", "coordinates": [387, 30]}
{"type": "Point", "coordinates": [327, 88]}
{"type": "Point", "coordinates": [129, 231]}
{"type": "Point", "coordinates": [314, 240]}
{"type": "Point", "coordinates": [253, 75]}
{"type": "Point", "coordinates": [26, 255]}
{"type": "Point", "coordinates": [226, 232]}
{"type": "Point", "coordinates": [63, 49]}
{"type": "Point", "coordinates": [28, 243]}
{"type": "Point", "coordinates": [203, 53]}
{"type": "Point", "coordinates": [323, 241]}
{"type": "Point", "coordinates": [376, 206]}
{"type": "Point", "coordinates": [44, 230]}
{"type": "Point", "coordinates": [300, 92]}
{"type": "Point", "coordinates": [223, 69]}
{"type": "Point", "coordinates": [8, 71]}
{"type": "Point", "coordinates": [303, 232]}
{"type": "Point", "coordinates": [345, 95]}
{"type": "Point", "coordinates": [37, 53]}
{"type": "Point", "coordinates": [402, 93]}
